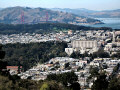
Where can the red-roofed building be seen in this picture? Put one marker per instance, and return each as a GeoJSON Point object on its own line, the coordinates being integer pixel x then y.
{"type": "Point", "coordinates": [13, 69]}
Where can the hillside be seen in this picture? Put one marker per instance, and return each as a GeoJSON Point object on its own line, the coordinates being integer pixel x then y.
{"type": "Point", "coordinates": [13, 15]}
{"type": "Point", "coordinates": [33, 53]}
{"type": "Point", "coordinates": [91, 13]}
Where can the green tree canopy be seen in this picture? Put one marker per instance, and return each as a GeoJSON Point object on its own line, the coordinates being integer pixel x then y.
{"type": "Point", "coordinates": [101, 83]}
{"type": "Point", "coordinates": [65, 78]}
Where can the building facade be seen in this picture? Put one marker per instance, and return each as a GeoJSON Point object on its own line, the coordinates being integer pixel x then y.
{"type": "Point", "coordinates": [84, 44]}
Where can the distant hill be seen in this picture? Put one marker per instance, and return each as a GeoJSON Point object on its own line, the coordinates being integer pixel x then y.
{"type": "Point", "coordinates": [91, 13]}
{"type": "Point", "coordinates": [12, 15]}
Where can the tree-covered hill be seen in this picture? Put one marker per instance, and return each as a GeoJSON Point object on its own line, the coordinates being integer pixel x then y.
{"type": "Point", "coordinates": [42, 28]}
{"type": "Point", "coordinates": [30, 54]}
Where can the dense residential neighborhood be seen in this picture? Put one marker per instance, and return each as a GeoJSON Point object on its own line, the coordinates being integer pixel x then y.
{"type": "Point", "coordinates": [59, 45]}
{"type": "Point", "coordinates": [88, 42]}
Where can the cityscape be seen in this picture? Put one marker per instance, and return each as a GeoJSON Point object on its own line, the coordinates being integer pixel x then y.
{"type": "Point", "coordinates": [60, 48]}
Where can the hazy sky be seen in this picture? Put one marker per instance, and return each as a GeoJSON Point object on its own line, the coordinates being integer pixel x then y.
{"type": "Point", "coordinates": [88, 4]}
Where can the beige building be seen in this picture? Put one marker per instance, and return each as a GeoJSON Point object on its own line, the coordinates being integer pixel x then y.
{"type": "Point", "coordinates": [84, 44]}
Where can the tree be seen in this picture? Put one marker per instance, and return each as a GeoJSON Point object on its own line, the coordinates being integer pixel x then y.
{"type": "Point", "coordinates": [67, 65]}
{"type": "Point", "coordinates": [94, 71]}
{"type": "Point", "coordinates": [44, 87]}
{"type": "Point", "coordinates": [117, 55]}
{"type": "Point", "coordinates": [52, 85]}
{"type": "Point", "coordinates": [114, 84]}
{"type": "Point", "coordinates": [101, 83]}
{"type": "Point", "coordinates": [115, 71]}
{"type": "Point", "coordinates": [65, 78]}
{"type": "Point", "coordinates": [76, 55]}
{"type": "Point", "coordinates": [27, 84]}
{"type": "Point", "coordinates": [75, 86]}
{"type": "Point", "coordinates": [73, 55]}
{"type": "Point", "coordinates": [14, 78]}
{"type": "Point", "coordinates": [3, 64]}
{"type": "Point", "coordinates": [5, 83]}
{"type": "Point", "coordinates": [2, 53]}
{"type": "Point", "coordinates": [101, 54]}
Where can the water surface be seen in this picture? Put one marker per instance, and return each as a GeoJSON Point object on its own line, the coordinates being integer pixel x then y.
{"type": "Point", "coordinates": [109, 22]}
